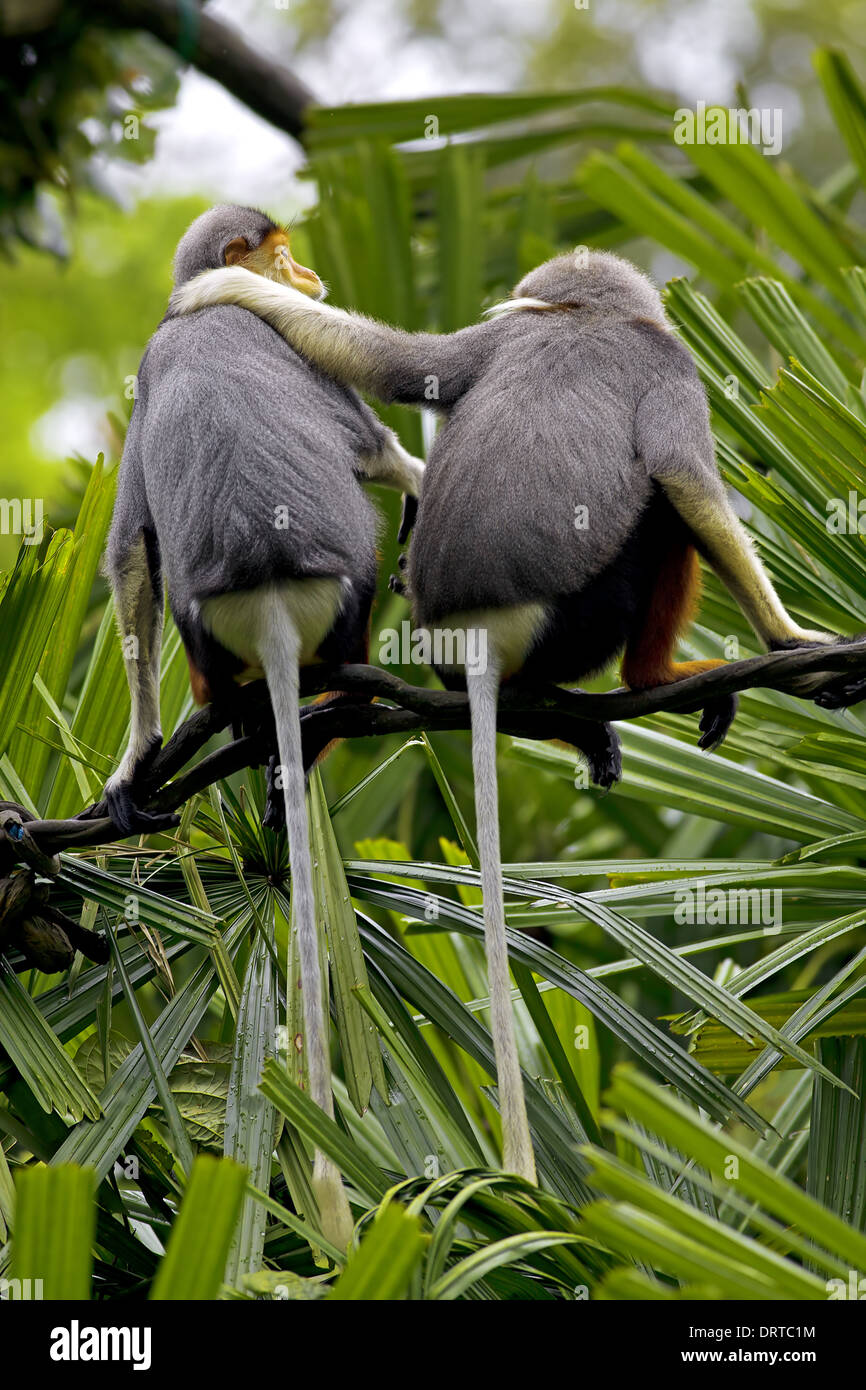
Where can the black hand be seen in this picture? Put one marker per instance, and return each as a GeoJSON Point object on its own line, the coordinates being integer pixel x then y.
{"type": "Point", "coordinates": [128, 817]}
{"type": "Point", "coordinates": [716, 720]}
{"type": "Point", "coordinates": [407, 517]}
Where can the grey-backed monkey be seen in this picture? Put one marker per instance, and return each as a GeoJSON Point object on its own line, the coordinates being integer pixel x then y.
{"type": "Point", "coordinates": [564, 501]}
{"type": "Point", "coordinates": [240, 485]}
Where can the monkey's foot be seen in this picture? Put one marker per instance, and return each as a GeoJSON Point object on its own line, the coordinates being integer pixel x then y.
{"type": "Point", "coordinates": [605, 758]}
{"type": "Point", "coordinates": [130, 819]}
{"type": "Point", "coordinates": [841, 693]}
{"type": "Point", "coordinates": [829, 692]}
{"type": "Point", "coordinates": [716, 719]}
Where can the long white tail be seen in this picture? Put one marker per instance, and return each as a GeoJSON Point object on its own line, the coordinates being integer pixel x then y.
{"type": "Point", "coordinates": [483, 688]}
{"type": "Point", "coordinates": [280, 655]}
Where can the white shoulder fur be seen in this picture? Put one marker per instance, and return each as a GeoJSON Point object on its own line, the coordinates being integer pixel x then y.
{"type": "Point", "coordinates": [234, 285]}
{"type": "Point", "coordinates": [512, 306]}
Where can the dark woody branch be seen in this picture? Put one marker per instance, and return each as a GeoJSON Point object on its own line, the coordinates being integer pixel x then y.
{"type": "Point", "coordinates": [219, 51]}
{"type": "Point", "coordinates": [547, 712]}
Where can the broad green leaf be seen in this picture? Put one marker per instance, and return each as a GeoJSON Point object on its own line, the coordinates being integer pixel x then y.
{"type": "Point", "coordinates": [616, 1180]}
{"type": "Point", "coordinates": [177, 1129]}
{"type": "Point", "coordinates": [89, 536]}
{"type": "Point", "coordinates": [131, 1089]}
{"type": "Point", "coordinates": [660, 770]}
{"type": "Point", "coordinates": [194, 1261]}
{"type": "Point", "coordinates": [441, 1006]}
{"type": "Point", "coordinates": [32, 598]}
{"type": "Point", "coordinates": [54, 1231]}
{"type": "Point", "coordinates": [790, 332]}
{"type": "Point", "coordinates": [408, 120]}
{"type": "Point", "coordinates": [837, 1131]}
{"type": "Point", "coordinates": [382, 1267]}
{"type": "Point", "coordinates": [476, 1266]}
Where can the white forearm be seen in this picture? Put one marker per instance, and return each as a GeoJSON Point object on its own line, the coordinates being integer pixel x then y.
{"type": "Point", "coordinates": [354, 350]}
{"type": "Point", "coordinates": [393, 466]}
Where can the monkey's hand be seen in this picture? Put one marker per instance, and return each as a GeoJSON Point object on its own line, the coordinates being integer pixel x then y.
{"type": "Point", "coordinates": [407, 517]}
{"type": "Point", "coordinates": [411, 493]}
{"type": "Point", "coordinates": [397, 582]}
{"type": "Point", "coordinates": [415, 468]}
{"type": "Point", "coordinates": [716, 719]}
{"type": "Point", "coordinates": [393, 466]}
{"type": "Point", "coordinates": [121, 793]}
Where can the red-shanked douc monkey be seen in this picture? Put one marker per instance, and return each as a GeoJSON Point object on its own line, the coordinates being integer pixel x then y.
{"type": "Point", "coordinates": [240, 486]}
{"type": "Point", "coordinates": [572, 403]}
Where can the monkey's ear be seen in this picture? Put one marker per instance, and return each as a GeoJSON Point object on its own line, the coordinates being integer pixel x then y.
{"type": "Point", "coordinates": [236, 250]}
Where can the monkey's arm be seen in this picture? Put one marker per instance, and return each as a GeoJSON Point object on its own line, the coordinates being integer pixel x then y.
{"type": "Point", "coordinates": [432, 369]}
{"type": "Point", "coordinates": [393, 466]}
{"type": "Point", "coordinates": [132, 565]}
{"type": "Point", "coordinates": [672, 437]}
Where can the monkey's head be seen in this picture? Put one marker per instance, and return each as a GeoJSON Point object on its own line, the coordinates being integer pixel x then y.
{"type": "Point", "coordinates": [595, 280]}
{"type": "Point", "coordinates": [229, 235]}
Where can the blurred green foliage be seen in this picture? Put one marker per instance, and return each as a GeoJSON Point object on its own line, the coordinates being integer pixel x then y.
{"type": "Point", "coordinates": [72, 333]}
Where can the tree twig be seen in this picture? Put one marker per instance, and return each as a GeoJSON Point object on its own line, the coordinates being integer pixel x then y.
{"type": "Point", "coordinates": [217, 50]}
{"type": "Point", "coordinates": [539, 712]}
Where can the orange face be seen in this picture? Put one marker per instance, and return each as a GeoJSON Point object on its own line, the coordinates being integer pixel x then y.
{"type": "Point", "coordinates": [274, 260]}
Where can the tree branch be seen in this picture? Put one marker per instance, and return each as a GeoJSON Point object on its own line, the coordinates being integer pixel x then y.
{"type": "Point", "coordinates": [217, 50]}
{"type": "Point", "coordinates": [538, 712]}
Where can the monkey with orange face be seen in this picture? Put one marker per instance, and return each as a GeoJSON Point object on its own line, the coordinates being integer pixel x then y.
{"type": "Point", "coordinates": [241, 487]}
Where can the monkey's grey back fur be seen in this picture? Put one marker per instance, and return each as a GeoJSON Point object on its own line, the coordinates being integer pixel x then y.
{"type": "Point", "coordinates": [562, 410]}
{"type": "Point", "coordinates": [231, 424]}
{"type": "Point", "coordinates": [594, 280]}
